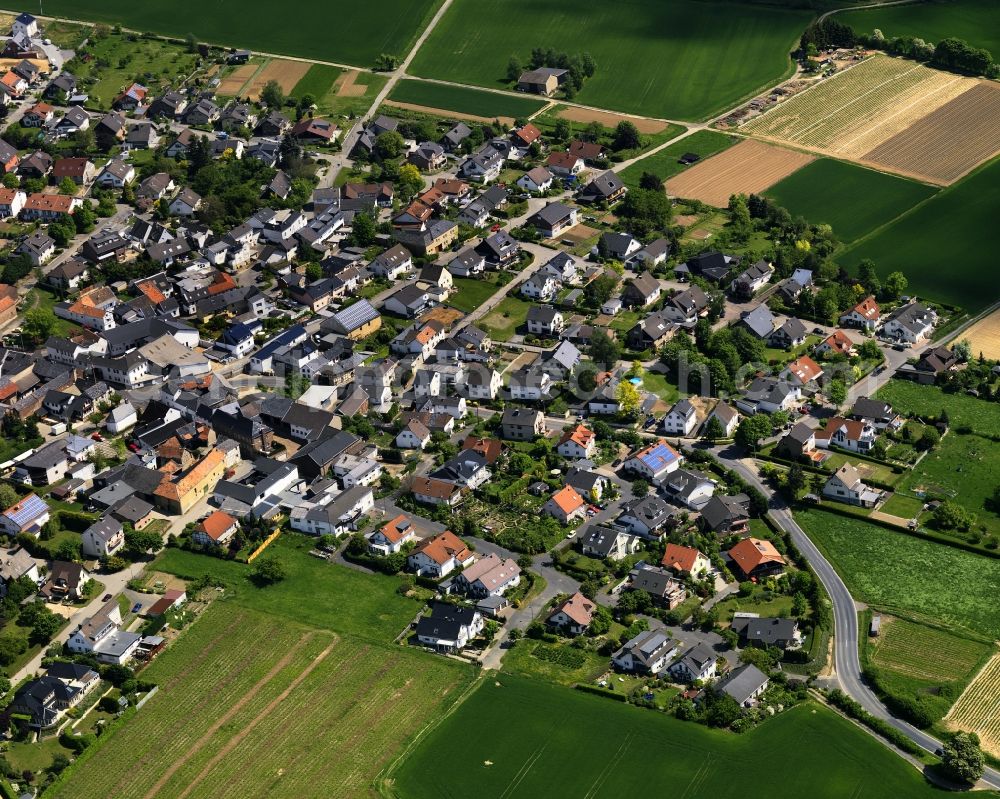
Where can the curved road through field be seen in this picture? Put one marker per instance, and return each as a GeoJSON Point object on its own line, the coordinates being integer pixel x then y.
{"type": "Point", "coordinates": [847, 662]}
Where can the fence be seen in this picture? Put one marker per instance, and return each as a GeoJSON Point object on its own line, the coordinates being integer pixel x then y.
{"type": "Point", "coordinates": [264, 545]}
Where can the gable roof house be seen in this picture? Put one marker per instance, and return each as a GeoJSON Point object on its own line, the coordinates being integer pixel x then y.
{"type": "Point", "coordinates": [845, 485]}
{"type": "Point", "coordinates": [103, 538]}
{"type": "Point", "coordinates": [577, 442]}
{"type": "Point", "coordinates": [686, 561]}
{"type": "Point", "coordinates": [726, 515]}
{"type": "Point", "coordinates": [681, 419]}
{"type": "Point", "coordinates": [790, 334]}
{"type": "Point", "coordinates": [686, 307]}
{"type": "Point", "coordinates": [865, 315]}
{"type": "Point", "coordinates": [689, 488]}
{"type": "Point", "coordinates": [713, 265]}
{"type": "Point", "coordinates": [797, 443]}
{"type": "Point", "coordinates": [804, 372]}
{"type": "Point", "coordinates": [766, 632]}
{"type": "Point", "coordinates": [544, 80]}
{"type": "Point", "coordinates": [392, 536]}
{"type": "Point", "coordinates": [697, 664]}
{"type": "Point", "coordinates": [648, 517]}
{"type": "Point", "coordinates": [608, 543]}
{"type": "Point", "coordinates": [653, 462]}
{"type": "Point", "coordinates": [641, 291]}
{"type": "Point", "coordinates": [854, 435]}
{"type": "Point", "coordinates": [440, 555]}
{"type": "Point", "coordinates": [536, 180]}
{"type": "Point", "coordinates": [751, 280]}
{"type": "Point", "coordinates": [564, 165]}
{"type": "Point", "coordinates": [912, 323]}
{"type": "Point", "coordinates": [744, 684]}
{"type": "Point", "coordinates": [768, 394]}
{"type": "Point", "coordinates": [489, 576]}
{"type": "Point", "coordinates": [837, 343]}
{"type": "Point", "coordinates": [565, 505]}
{"type": "Point", "coordinates": [756, 559]}
{"type": "Point", "coordinates": [605, 188]}
{"type": "Point", "coordinates": [661, 585]}
{"type": "Point", "coordinates": [573, 615]}
{"type": "Point", "coordinates": [544, 320]}
{"type": "Point", "coordinates": [759, 321]}
{"type": "Point", "coordinates": [553, 219]}
{"type": "Point", "coordinates": [449, 628]}
{"type": "Point", "coordinates": [879, 413]}
{"type": "Point", "coordinates": [215, 530]}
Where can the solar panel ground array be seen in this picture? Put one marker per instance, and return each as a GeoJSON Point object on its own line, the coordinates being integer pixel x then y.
{"type": "Point", "coordinates": [894, 115]}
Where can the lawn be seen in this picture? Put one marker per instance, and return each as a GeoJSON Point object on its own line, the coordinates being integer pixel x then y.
{"type": "Point", "coordinates": [556, 747]}
{"type": "Point", "coordinates": [255, 706]}
{"type": "Point", "coordinates": [558, 663]}
{"type": "Point", "coordinates": [34, 756]}
{"type": "Point", "coordinates": [900, 655]}
{"type": "Point", "coordinates": [664, 163]}
{"type": "Point", "coordinates": [339, 30]}
{"type": "Point", "coordinates": [962, 468]}
{"type": "Point", "coordinates": [957, 225]}
{"type": "Point", "coordinates": [315, 592]}
{"type": "Point", "coordinates": [119, 59]}
{"type": "Point", "coordinates": [319, 82]}
{"type": "Point", "coordinates": [502, 322]}
{"type": "Point", "coordinates": [976, 21]}
{"type": "Point", "coordinates": [903, 506]}
{"type": "Point", "coordinates": [657, 384]}
{"type": "Point", "coordinates": [851, 199]}
{"type": "Point", "coordinates": [899, 573]}
{"type": "Point", "coordinates": [777, 606]}
{"type": "Point", "coordinates": [459, 99]}
{"type": "Point", "coordinates": [471, 293]}
{"type": "Point", "coordinates": [909, 398]}
{"type": "Point", "coordinates": [653, 58]}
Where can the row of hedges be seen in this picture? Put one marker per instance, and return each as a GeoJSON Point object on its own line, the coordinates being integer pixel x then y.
{"type": "Point", "coordinates": [843, 702]}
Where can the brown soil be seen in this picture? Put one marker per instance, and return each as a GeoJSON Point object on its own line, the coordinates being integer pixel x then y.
{"type": "Point", "coordinates": [984, 336]}
{"type": "Point", "coordinates": [610, 120]}
{"type": "Point", "coordinates": [345, 86]}
{"type": "Point", "coordinates": [441, 112]}
{"type": "Point", "coordinates": [286, 73]}
{"type": "Point", "coordinates": [232, 84]}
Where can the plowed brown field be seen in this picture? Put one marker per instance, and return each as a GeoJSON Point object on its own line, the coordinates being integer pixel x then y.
{"type": "Point", "coordinates": [286, 73]}
{"type": "Point", "coordinates": [748, 168]}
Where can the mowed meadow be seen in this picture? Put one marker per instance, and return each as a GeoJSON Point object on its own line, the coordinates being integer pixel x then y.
{"type": "Point", "coordinates": [341, 31]}
{"type": "Point", "coordinates": [253, 706]}
{"type": "Point", "coordinates": [516, 738]}
{"type": "Point", "coordinates": [682, 59]}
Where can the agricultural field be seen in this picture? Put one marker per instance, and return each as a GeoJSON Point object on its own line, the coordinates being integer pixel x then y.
{"type": "Point", "coordinates": [340, 599]}
{"type": "Point", "coordinates": [978, 708]}
{"type": "Point", "coordinates": [120, 59]}
{"type": "Point", "coordinates": [560, 758]}
{"type": "Point", "coordinates": [284, 72]}
{"type": "Point", "coordinates": [363, 30]}
{"type": "Point", "coordinates": [653, 58]}
{"type": "Point", "coordinates": [436, 98]}
{"type": "Point", "coordinates": [892, 572]}
{"type": "Point", "coordinates": [587, 115]}
{"type": "Point", "coordinates": [976, 21]}
{"type": "Point", "coordinates": [900, 656]}
{"type": "Point", "coordinates": [984, 336]}
{"type": "Point", "coordinates": [750, 167]}
{"type": "Point", "coordinates": [959, 222]}
{"type": "Point", "coordinates": [893, 114]}
{"type": "Point", "coordinates": [311, 714]}
{"type": "Point", "coordinates": [853, 200]}
{"type": "Point", "coordinates": [340, 91]}
{"type": "Point", "coordinates": [664, 163]}
{"type": "Point", "coordinates": [963, 411]}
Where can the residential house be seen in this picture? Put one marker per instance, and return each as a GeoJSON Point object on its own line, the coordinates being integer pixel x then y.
{"type": "Point", "coordinates": [215, 530]}
{"type": "Point", "coordinates": [116, 174]}
{"type": "Point", "coordinates": [879, 413]}
{"type": "Point", "coordinates": [803, 372]}
{"type": "Point", "coordinates": [689, 488]}
{"type": "Point", "coordinates": [564, 165]}
{"type": "Point", "coordinates": [449, 628]}
{"type": "Point", "coordinates": [573, 615]}
{"type": "Point", "coordinates": [577, 442]}
{"type": "Point", "coordinates": [751, 280]}
{"type": "Point", "coordinates": [641, 291]}
{"type": "Point", "coordinates": [103, 538]}
{"type": "Point", "coordinates": [910, 323]}
{"type": "Point", "coordinates": [865, 315]}
{"type": "Point", "coordinates": [11, 202]}
{"type": "Point", "coordinates": [697, 664]}
{"type": "Point", "coordinates": [932, 363]}
{"type": "Point", "coordinates": [489, 576]}
{"type": "Point", "coordinates": [28, 515]}
{"type": "Point", "coordinates": [65, 581]}
{"type": "Point", "coordinates": [544, 320]}
{"type": "Point", "coordinates": [798, 443]}
{"type": "Point", "coordinates": [661, 585]}
{"type": "Point", "coordinates": [837, 343]}
{"type": "Point", "coordinates": [440, 555]}
{"type": "Point", "coordinates": [726, 415]}
{"type": "Point", "coordinates": [854, 435]}
{"type": "Point", "coordinates": [745, 684]}
{"type": "Point", "coordinates": [756, 559]}
{"type": "Point", "coordinates": [686, 561]}
{"type": "Point", "coordinates": [78, 170]}
{"type": "Point", "coordinates": [769, 394]}
{"type": "Point", "coordinates": [544, 81]}
{"type": "Point", "coordinates": [653, 462]}
{"type": "Point", "coordinates": [392, 263]}
{"type": "Point", "coordinates": [608, 543]}
{"type": "Point", "coordinates": [605, 188]}
{"type": "Point", "coordinates": [726, 515]}
{"type": "Point", "coordinates": [522, 424]}
{"type": "Point", "coordinates": [553, 219]}
{"type": "Point", "coordinates": [566, 505]}
{"type": "Point", "coordinates": [38, 247]}
{"type": "Point", "coordinates": [759, 322]}
{"type": "Point", "coordinates": [766, 632]}
{"type": "Point", "coordinates": [681, 419]}
{"type": "Point", "coordinates": [790, 334]}
{"type": "Point", "coordinates": [430, 491]}
{"type": "Point", "coordinates": [536, 181]}
{"type": "Point", "coordinates": [648, 653]}
{"type": "Point", "coordinates": [428, 156]}
{"type": "Point", "coordinates": [392, 536]}
{"type": "Point", "coordinates": [845, 485]}
{"type": "Point", "coordinates": [686, 307]}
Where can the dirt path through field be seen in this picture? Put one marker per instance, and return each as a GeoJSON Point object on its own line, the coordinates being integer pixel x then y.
{"type": "Point", "coordinates": [235, 741]}
{"type": "Point", "coordinates": [222, 720]}
{"type": "Point", "coordinates": [441, 112]}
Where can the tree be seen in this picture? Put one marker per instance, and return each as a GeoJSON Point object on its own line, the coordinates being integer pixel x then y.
{"type": "Point", "coordinates": [599, 291]}
{"type": "Point", "coordinates": [272, 94]}
{"type": "Point", "coordinates": [562, 130]}
{"type": "Point", "coordinates": [68, 550]}
{"type": "Point", "coordinates": [895, 285]}
{"type": "Point", "coordinates": [962, 350]}
{"type": "Point", "coordinates": [67, 187]}
{"type": "Point", "coordinates": [951, 516]}
{"type": "Point", "coordinates": [409, 181]}
{"type": "Point", "coordinates": [143, 541]}
{"type": "Point", "coordinates": [650, 182]}
{"type": "Point", "coordinates": [869, 277]}
{"type": "Point", "coordinates": [8, 496]}
{"type": "Point", "coordinates": [314, 272]}
{"type": "Point", "coordinates": [626, 136]}
{"type": "Point", "coordinates": [10, 647]}
{"type": "Point", "coordinates": [753, 430]}
{"type": "Point", "coordinates": [364, 230]}
{"type": "Point", "coordinates": [962, 759]}
{"type": "Point", "coordinates": [645, 211]}
{"type": "Point", "coordinates": [45, 626]}
{"type": "Point", "coordinates": [640, 488]}
{"type": "Point", "coordinates": [268, 570]}
{"type": "Point", "coordinates": [740, 215]}
{"type": "Point", "coordinates": [389, 145]}
{"type": "Point", "coordinates": [628, 398]}
{"type": "Point", "coordinates": [714, 429]}
{"type": "Point", "coordinates": [928, 439]}
{"type": "Point", "coordinates": [604, 350]}
{"type": "Point", "coordinates": [836, 392]}
{"type": "Point", "coordinates": [514, 69]}
{"type": "Point", "coordinates": [38, 324]}
{"type": "Point", "coordinates": [796, 480]}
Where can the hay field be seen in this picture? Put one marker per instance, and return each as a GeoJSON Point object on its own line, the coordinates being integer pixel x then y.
{"type": "Point", "coordinates": [750, 167]}
{"type": "Point", "coordinates": [984, 336]}
{"type": "Point", "coordinates": [978, 708]}
{"type": "Point", "coordinates": [894, 115]}
{"type": "Point", "coordinates": [609, 120]}
{"type": "Point", "coordinates": [286, 73]}
{"type": "Point", "coordinates": [232, 84]}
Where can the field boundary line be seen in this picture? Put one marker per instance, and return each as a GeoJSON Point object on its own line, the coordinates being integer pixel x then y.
{"type": "Point", "coordinates": [225, 717]}
{"type": "Point", "coordinates": [235, 741]}
{"type": "Point", "coordinates": [253, 77]}
{"type": "Point", "coordinates": [383, 780]}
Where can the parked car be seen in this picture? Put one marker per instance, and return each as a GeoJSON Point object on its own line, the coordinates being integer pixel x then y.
{"type": "Point", "coordinates": [106, 597]}
{"type": "Point", "coordinates": [97, 436]}
{"type": "Point", "coordinates": [137, 607]}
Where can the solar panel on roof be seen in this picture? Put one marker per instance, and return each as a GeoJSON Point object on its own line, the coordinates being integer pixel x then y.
{"type": "Point", "coordinates": [356, 315]}
{"type": "Point", "coordinates": [31, 508]}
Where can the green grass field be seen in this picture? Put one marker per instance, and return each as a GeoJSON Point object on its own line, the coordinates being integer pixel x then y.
{"type": "Point", "coordinates": [899, 573]}
{"type": "Point", "coordinates": [852, 199]}
{"type": "Point", "coordinates": [315, 592]}
{"type": "Point", "coordinates": [338, 30]}
{"type": "Point", "coordinates": [459, 99]}
{"type": "Point", "coordinates": [558, 663]}
{"type": "Point", "coordinates": [251, 705]}
{"type": "Point", "coordinates": [502, 322]}
{"type": "Point", "coordinates": [911, 398]}
{"type": "Point", "coordinates": [472, 292]}
{"type": "Point", "coordinates": [560, 743]}
{"type": "Point", "coordinates": [664, 164]}
{"type": "Point", "coordinates": [155, 64]}
{"type": "Point", "coordinates": [319, 82]}
{"type": "Point", "coordinates": [976, 21]}
{"type": "Point", "coordinates": [955, 226]}
{"type": "Point", "coordinates": [653, 58]}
